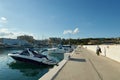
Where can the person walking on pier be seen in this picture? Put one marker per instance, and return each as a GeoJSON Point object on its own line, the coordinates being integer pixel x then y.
{"type": "Point", "coordinates": [98, 50]}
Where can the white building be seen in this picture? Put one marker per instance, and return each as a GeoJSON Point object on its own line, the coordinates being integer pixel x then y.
{"type": "Point", "coordinates": [13, 42]}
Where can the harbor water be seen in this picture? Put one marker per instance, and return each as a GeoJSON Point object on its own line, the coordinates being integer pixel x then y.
{"type": "Point", "coordinates": [12, 70]}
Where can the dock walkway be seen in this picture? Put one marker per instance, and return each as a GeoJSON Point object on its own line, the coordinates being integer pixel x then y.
{"type": "Point", "coordinates": [86, 65]}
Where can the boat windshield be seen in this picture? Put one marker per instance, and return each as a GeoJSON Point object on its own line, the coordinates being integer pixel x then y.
{"type": "Point", "coordinates": [25, 52]}
{"type": "Point", "coordinates": [34, 53]}
{"type": "Point", "coordinates": [44, 50]}
{"type": "Point", "coordinates": [38, 55]}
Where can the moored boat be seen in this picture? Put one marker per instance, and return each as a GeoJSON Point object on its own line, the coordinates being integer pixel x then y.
{"type": "Point", "coordinates": [32, 56]}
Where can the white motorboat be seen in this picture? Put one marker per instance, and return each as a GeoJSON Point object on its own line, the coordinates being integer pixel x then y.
{"type": "Point", "coordinates": [60, 49]}
{"type": "Point", "coordinates": [32, 56]}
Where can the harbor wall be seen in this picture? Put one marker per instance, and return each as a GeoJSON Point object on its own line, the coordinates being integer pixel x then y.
{"type": "Point", "coordinates": [53, 72]}
{"type": "Point", "coordinates": [110, 51]}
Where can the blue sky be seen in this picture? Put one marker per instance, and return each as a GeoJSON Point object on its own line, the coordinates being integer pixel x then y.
{"type": "Point", "coordinates": [60, 18]}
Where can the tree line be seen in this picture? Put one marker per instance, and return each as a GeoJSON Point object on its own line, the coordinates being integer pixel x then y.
{"type": "Point", "coordinates": [84, 41]}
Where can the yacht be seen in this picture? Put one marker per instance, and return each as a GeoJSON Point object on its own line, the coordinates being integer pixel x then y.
{"type": "Point", "coordinates": [32, 56]}
{"type": "Point", "coordinates": [61, 49]}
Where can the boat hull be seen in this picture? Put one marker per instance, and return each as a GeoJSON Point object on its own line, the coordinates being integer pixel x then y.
{"type": "Point", "coordinates": [25, 60]}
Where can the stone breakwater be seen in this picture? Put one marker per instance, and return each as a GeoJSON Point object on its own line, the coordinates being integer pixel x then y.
{"type": "Point", "coordinates": [110, 51]}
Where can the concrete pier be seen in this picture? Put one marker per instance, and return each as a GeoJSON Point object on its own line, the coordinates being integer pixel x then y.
{"type": "Point", "coordinates": [86, 65]}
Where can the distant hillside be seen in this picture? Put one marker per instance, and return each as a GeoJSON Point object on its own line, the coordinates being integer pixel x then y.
{"type": "Point", "coordinates": [91, 41]}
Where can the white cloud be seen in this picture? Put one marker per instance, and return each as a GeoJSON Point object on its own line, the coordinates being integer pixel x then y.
{"type": "Point", "coordinates": [3, 20]}
{"type": "Point", "coordinates": [76, 30]}
{"type": "Point", "coordinates": [7, 33]}
{"type": "Point", "coordinates": [67, 32]}
{"type": "Point", "coordinates": [4, 32]}
{"type": "Point", "coordinates": [22, 33]}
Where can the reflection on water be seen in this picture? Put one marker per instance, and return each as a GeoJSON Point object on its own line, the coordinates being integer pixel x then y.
{"type": "Point", "coordinates": [29, 69]}
{"type": "Point", "coordinates": [58, 56]}
{"type": "Point", "coordinates": [11, 70]}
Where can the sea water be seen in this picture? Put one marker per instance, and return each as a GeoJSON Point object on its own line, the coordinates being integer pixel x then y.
{"type": "Point", "coordinates": [12, 70]}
